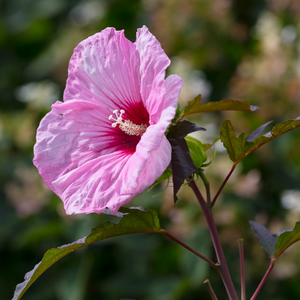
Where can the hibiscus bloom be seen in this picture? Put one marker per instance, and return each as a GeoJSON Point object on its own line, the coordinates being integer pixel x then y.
{"type": "Point", "coordinates": [106, 142]}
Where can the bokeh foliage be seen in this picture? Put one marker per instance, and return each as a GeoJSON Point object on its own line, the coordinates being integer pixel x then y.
{"type": "Point", "coordinates": [246, 50]}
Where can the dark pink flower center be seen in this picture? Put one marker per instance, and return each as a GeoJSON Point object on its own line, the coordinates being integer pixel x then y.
{"type": "Point", "coordinates": [127, 126]}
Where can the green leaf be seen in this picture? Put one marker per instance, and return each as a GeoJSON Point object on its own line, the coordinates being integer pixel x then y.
{"type": "Point", "coordinates": [266, 239]}
{"type": "Point", "coordinates": [195, 106]}
{"type": "Point", "coordinates": [235, 146]}
{"type": "Point", "coordinates": [134, 220]}
{"type": "Point", "coordinates": [239, 147]}
{"type": "Point", "coordinates": [197, 152]}
{"type": "Point", "coordinates": [165, 175]}
{"type": "Point", "coordinates": [178, 113]}
{"type": "Point", "coordinates": [208, 146]}
{"type": "Point", "coordinates": [286, 239]}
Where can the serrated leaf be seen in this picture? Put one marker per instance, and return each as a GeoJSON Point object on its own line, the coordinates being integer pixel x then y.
{"type": "Point", "coordinates": [197, 152]}
{"type": "Point", "coordinates": [238, 147]}
{"type": "Point", "coordinates": [235, 146]}
{"type": "Point", "coordinates": [286, 239]}
{"type": "Point", "coordinates": [134, 220]}
{"type": "Point", "coordinates": [181, 163]}
{"type": "Point", "coordinates": [266, 239]}
{"type": "Point", "coordinates": [195, 106]}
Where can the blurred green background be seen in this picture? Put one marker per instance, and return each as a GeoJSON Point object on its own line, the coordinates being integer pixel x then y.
{"type": "Point", "coordinates": [247, 50]}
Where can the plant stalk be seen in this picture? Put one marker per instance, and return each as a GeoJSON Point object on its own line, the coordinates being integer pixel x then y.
{"type": "Point", "coordinates": [242, 268]}
{"type": "Point", "coordinates": [223, 268]}
{"type": "Point", "coordinates": [263, 280]}
{"type": "Point", "coordinates": [223, 184]}
{"type": "Point", "coordinates": [207, 188]}
{"type": "Point", "coordinates": [210, 290]}
{"type": "Point", "coordinates": [169, 235]}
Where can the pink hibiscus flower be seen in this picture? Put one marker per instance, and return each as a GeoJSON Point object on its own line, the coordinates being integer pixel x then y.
{"type": "Point", "coordinates": [106, 142]}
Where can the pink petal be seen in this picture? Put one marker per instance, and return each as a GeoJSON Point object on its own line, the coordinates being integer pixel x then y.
{"type": "Point", "coordinates": [73, 133]}
{"type": "Point", "coordinates": [89, 164]}
{"type": "Point", "coordinates": [157, 93]}
{"type": "Point", "coordinates": [112, 180]}
{"type": "Point", "coordinates": [92, 186]}
{"type": "Point", "coordinates": [152, 157]}
{"type": "Point", "coordinates": [104, 69]}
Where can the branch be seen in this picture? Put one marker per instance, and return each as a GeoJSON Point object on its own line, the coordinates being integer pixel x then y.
{"type": "Point", "coordinates": [223, 269]}
{"type": "Point", "coordinates": [263, 280]}
{"type": "Point", "coordinates": [223, 184]}
{"type": "Point", "coordinates": [169, 235]}
{"type": "Point", "coordinates": [210, 290]}
{"type": "Point", "coordinates": [242, 268]}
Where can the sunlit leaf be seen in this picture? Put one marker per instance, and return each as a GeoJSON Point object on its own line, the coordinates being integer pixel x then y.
{"type": "Point", "coordinates": [165, 175]}
{"type": "Point", "coordinates": [266, 239]}
{"type": "Point", "coordinates": [208, 146]}
{"type": "Point", "coordinates": [197, 152]}
{"type": "Point", "coordinates": [286, 239]}
{"type": "Point", "coordinates": [134, 220]}
{"type": "Point", "coordinates": [178, 113]}
{"type": "Point", "coordinates": [210, 151]}
{"type": "Point", "coordinates": [181, 163]}
{"type": "Point", "coordinates": [195, 106]}
{"type": "Point", "coordinates": [239, 147]}
{"type": "Point", "coordinates": [235, 146]}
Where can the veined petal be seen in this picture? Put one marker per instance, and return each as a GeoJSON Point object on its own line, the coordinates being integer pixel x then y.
{"type": "Point", "coordinates": [151, 158]}
{"type": "Point", "coordinates": [73, 133]}
{"type": "Point", "coordinates": [157, 93]}
{"type": "Point", "coordinates": [93, 186]}
{"type": "Point", "coordinates": [104, 69]}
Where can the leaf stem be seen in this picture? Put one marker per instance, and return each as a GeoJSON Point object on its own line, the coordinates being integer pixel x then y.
{"type": "Point", "coordinates": [242, 268]}
{"type": "Point", "coordinates": [223, 184]}
{"type": "Point", "coordinates": [264, 279]}
{"type": "Point", "coordinates": [206, 184]}
{"type": "Point", "coordinates": [210, 290]}
{"type": "Point", "coordinates": [169, 235]}
{"type": "Point", "coordinates": [223, 269]}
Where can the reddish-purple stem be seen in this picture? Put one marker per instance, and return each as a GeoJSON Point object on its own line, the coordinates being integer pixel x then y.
{"type": "Point", "coordinates": [169, 235]}
{"type": "Point", "coordinates": [263, 280]}
{"type": "Point", "coordinates": [223, 184]}
{"type": "Point", "coordinates": [223, 269]}
{"type": "Point", "coordinates": [210, 290]}
{"type": "Point", "coordinates": [242, 268]}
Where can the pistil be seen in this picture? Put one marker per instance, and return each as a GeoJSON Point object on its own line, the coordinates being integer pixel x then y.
{"type": "Point", "coordinates": [127, 126]}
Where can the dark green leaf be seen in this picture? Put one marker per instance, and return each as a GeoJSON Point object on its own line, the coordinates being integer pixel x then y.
{"type": "Point", "coordinates": [195, 106]}
{"type": "Point", "coordinates": [134, 220]}
{"type": "Point", "coordinates": [181, 163]}
{"type": "Point", "coordinates": [197, 152]}
{"type": "Point", "coordinates": [266, 239]}
{"type": "Point", "coordinates": [286, 239]}
{"type": "Point", "coordinates": [238, 147]}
